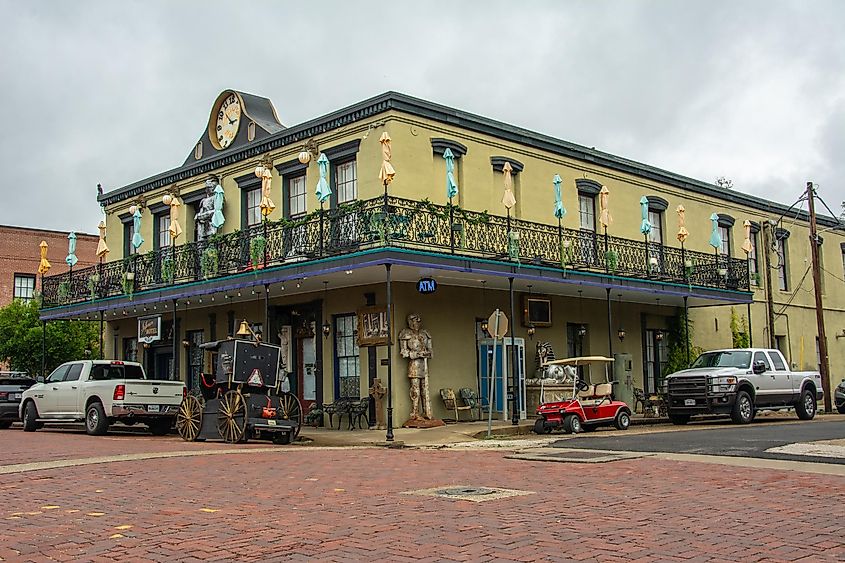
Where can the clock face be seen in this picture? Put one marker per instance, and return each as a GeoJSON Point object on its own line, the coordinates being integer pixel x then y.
{"type": "Point", "coordinates": [228, 120]}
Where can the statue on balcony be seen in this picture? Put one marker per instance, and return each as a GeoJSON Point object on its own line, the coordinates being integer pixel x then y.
{"type": "Point", "coordinates": [415, 345]}
{"type": "Point", "coordinates": [205, 213]}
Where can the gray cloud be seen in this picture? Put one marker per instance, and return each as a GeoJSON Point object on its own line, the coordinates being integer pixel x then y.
{"type": "Point", "coordinates": [113, 92]}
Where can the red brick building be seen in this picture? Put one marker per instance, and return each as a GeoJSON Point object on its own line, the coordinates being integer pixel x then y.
{"type": "Point", "coordinates": [20, 255]}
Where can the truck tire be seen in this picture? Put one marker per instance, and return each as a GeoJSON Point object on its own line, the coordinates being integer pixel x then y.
{"type": "Point", "coordinates": [30, 417]}
{"type": "Point", "coordinates": [679, 419]}
{"type": "Point", "coordinates": [805, 408]}
{"type": "Point", "coordinates": [160, 427]}
{"type": "Point", "coordinates": [743, 410]}
{"type": "Point", "coordinates": [96, 421]}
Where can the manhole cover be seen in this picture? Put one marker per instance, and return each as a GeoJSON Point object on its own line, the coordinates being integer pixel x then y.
{"type": "Point", "coordinates": [573, 456]}
{"type": "Point", "coordinates": [466, 491]}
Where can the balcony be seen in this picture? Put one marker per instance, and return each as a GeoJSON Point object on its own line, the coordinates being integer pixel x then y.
{"type": "Point", "coordinates": [398, 223]}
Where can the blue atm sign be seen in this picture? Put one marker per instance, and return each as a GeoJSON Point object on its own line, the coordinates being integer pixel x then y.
{"type": "Point", "coordinates": [427, 285]}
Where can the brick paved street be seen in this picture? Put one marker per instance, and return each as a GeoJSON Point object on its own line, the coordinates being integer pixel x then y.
{"type": "Point", "coordinates": [330, 504]}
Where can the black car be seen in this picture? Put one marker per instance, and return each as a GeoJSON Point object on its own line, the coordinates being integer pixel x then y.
{"type": "Point", "coordinates": [12, 384]}
{"type": "Point", "coordinates": [839, 397]}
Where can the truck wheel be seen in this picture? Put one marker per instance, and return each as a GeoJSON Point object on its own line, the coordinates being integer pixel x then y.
{"type": "Point", "coordinates": [743, 411]}
{"type": "Point", "coordinates": [30, 417]}
{"type": "Point", "coordinates": [572, 424]}
{"type": "Point", "coordinates": [623, 420]}
{"type": "Point", "coordinates": [96, 422]}
{"type": "Point", "coordinates": [160, 427]}
{"type": "Point", "coordinates": [806, 406]}
{"type": "Point", "coordinates": [679, 419]}
{"type": "Point", "coordinates": [540, 427]}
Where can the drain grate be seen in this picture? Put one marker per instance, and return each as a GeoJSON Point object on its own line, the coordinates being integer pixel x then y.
{"type": "Point", "coordinates": [471, 493]}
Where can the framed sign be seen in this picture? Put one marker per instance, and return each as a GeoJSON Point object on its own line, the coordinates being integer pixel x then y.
{"type": "Point", "coordinates": [537, 310]}
{"type": "Point", "coordinates": [372, 326]}
{"type": "Point", "coordinates": [149, 329]}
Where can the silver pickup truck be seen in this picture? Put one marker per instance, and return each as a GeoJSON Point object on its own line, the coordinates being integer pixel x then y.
{"type": "Point", "coordinates": [738, 382]}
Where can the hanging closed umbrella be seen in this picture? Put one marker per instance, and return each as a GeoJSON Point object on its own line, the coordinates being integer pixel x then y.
{"type": "Point", "coordinates": [715, 237]}
{"type": "Point", "coordinates": [683, 233]}
{"type": "Point", "coordinates": [217, 219]}
{"type": "Point", "coordinates": [508, 198]}
{"type": "Point", "coordinates": [604, 202]}
{"type": "Point", "coordinates": [267, 206]}
{"type": "Point", "coordinates": [645, 227]}
{"type": "Point", "coordinates": [451, 184]}
{"type": "Point", "coordinates": [44, 265]}
{"type": "Point", "coordinates": [747, 245]}
{"type": "Point", "coordinates": [324, 191]}
{"type": "Point", "coordinates": [560, 210]}
{"type": "Point", "coordinates": [71, 258]}
{"type": "Point", "coordinates": [387, 172]}
{"type": "Point", "coordinates": [102, 247]}
{"type": "Point", "coordinates": [137, 239]}
{"type": "Point", "coordinates": [175, 228]}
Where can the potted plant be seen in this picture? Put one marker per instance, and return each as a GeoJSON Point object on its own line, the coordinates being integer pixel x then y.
{"type": "Point", "coordinates": [209, 262]}
{"type": "Point", "coordinates": [314, 416]}
{"type": "Point", "coordinates": [256, 251]}
{"type": "Point", "coordinates": [167, 270]}
{"type": "Point", "coordinates": [612, 259]}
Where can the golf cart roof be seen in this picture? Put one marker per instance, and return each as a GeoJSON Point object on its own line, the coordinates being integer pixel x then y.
{"type": "Point", "coordinates": [579, 361]}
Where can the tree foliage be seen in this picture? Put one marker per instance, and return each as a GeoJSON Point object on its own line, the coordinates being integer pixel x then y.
{"type": "Point", "coordinates": [679, 338]}
{"type": "Point", "coordinates": [21, 332]}
{"type": "Point", "coordinates": [739, 330]}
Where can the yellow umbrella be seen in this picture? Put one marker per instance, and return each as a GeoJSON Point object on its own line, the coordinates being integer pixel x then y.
{"type": "Point", "coordinates": [683, 233]}
{"type": "Point", "coordinates": [747, 246]}
{"type": "Point", "coordinates": [102, 247]}
{"type": "Point", "coordinates": [604, 218]}
{"type": "Point", "coordinates": [387, 172]}
{"type": "Point", "coordinates": [44, 265]}
{"type": "Point", "coordinates": [175, 228]}
{"type": "Point", "coordinates": [267, 206]}
{"type": "Point", "coordinates": [508, 199]}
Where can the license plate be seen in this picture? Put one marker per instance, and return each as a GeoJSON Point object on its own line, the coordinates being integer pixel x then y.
{"type": "Point", "coordinates": [153, 408]}
{"type": "Point", "coordinates": [271, 422]}
{"type": "Point", "coordinates": [16, 396]}
{"type": "Point", "coordinates": [689, 402]}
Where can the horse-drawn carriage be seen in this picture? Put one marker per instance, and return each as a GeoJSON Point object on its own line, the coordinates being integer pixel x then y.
{"type": "Point", "coordinates": [242, 398]}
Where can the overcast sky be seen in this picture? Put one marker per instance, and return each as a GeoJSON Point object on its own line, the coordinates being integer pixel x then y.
{"type": "Point", "coordinates": [116, 91]}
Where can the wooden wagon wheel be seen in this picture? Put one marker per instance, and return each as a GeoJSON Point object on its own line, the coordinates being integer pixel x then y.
{"type": "Point", "coordinates": [189, 418]}
{"type": "Point", "coordinates": [290, 409]}
{"type": "Point", "coordinates": [231, 417]}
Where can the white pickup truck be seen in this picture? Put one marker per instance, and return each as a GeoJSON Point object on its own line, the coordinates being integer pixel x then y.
{"type": "Point", "coordinates": [739, 382]}
{"type": "Point", "coordinates": [100, 392]}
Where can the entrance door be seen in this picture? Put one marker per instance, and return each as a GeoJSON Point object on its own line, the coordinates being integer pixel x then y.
{"type": "Point", "coordinates": [306, 366]}
{"type": "Point", "coordinates": [163, 365]}
{"type": "Point", "coordinates": [656, 355]}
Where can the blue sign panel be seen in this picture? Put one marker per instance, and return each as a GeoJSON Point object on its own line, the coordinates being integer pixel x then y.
{"type": "Point", "coordinates": [427, 285]}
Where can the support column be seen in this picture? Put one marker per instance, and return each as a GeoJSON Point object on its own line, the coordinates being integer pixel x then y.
{"type": "Point", "coordinates": [175, 340]}
{"type": "Point", "coordinates": [43, 348]}
{"type": "Point", "coordinates": [102, 353]}
{"type": "Point", "coordinates": [515, 371]}
{"type": "Point", "coordinates": [389, 436]}
{"type": "Point", "coordinates": [609, 326]}
{"type": "Point", "coordinates": [686, 327]}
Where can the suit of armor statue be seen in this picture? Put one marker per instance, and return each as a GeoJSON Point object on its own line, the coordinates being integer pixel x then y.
{"type": "Point", "coordinates": [415, 345]}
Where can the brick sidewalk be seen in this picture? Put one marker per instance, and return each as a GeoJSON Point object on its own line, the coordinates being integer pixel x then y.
{"type": "Point", "coordinates": [342, 505]}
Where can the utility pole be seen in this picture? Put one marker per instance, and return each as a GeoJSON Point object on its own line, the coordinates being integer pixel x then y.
{"type": "Point", "coordinates": [770, 307]}
{"type": "Point", "coordinates": [817, 287]}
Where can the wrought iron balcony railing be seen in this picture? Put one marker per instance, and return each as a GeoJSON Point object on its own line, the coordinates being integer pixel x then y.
{"type": "Point", "coordinates": [397, 223]}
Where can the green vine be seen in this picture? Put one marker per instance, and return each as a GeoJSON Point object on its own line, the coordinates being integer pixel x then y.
{"type": "Point", "coordinates": [93, 280]}
{"type": "Point", "coordinates": [128, 283]}
{"type": "Point", "coordinates": [256, 250]}
{"type": "Point", "coordinates": [566, 254]}
{"type": "Point", "coordinates": [209, 262]}
{"type": "Point", "coordinates": [64, 290]}
{"type": "Point", "coordinates": [167, 270]}
{"type": "Point", "coordinates": [612, 259]}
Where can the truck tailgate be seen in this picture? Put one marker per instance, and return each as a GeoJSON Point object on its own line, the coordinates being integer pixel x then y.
{"type": "Point", "coordinates": [152, 391]}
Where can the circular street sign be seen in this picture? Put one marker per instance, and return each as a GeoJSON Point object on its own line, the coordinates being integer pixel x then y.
{"type": "Point", "coordinates": [502, 329]}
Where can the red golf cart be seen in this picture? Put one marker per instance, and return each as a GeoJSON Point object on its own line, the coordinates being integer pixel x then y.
{"type": "Point", "coordinates": [591, 405]}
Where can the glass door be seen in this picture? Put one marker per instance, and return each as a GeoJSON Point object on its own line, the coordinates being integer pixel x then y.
{"type": "Point", "coordinates": [306, 368]}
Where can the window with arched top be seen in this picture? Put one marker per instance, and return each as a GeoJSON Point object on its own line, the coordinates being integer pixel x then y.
{"type": "Point", "coordinates": [198, 151]}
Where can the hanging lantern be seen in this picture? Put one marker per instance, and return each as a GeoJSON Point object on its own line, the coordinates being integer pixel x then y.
{"type": "Point", "coordinates": [259, 171]}
{"type": "Point", "coordinates": [133, 209]}
{"type": "Point", "coordinates": [167, 199]}
{"type": "Point", "coordinates": [304, 157]}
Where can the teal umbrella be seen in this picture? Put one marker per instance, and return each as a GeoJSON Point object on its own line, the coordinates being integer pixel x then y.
{"type": "Point", "coordinates": [645, 228]}
{"type": "Point", "coordinates": [715, 237]}
{"type": "Point", "coordinates": [218, 219]}
{"type": "Point", "coordinates": [451, 185]}
{"type": "Point", "coordinates": [137, 239]}
{"type": "Point", "coordinates": [71, 259]}
{"type": "Point", "coordinates": [323, 189]}
{"type": "Point", "coordinates": [560, 210]}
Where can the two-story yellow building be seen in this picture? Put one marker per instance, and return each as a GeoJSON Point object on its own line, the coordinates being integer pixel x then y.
{"type": "Point", "coordinates": [599, 269]}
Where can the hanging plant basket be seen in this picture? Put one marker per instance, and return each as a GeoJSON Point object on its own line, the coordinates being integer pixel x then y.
{"type": "Point", "coordinates": [612, 260]}
{"type": "Point", "coordinates": [689, 268]}
{"type": "Point", "coordinates": [256, 251]}
{"type": "Point", "coordinates": [129, 283]}
{"type": "Point", "coordinates": [93, 281]}
{"type": "Point", "coordinates": [167, 270]}
{"type": "Point", "coordinates": [64, 291]}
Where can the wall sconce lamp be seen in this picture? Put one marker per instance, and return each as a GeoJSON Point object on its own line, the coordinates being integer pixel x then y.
{"type": "Point", "coordinates": [531, 330]}
{"type": "Point", "coordinates": [582, 331]}
{"type": "Point", "coordinates": [327, 328]}
{"type": "Point", "coordinates": [621, 333]}
{"type": "Point", "coordinates": [658, 335]}
{"type": "Point", "coordinates": [186, 344]}
{"type": "Point", "coordinates": [309, 150]}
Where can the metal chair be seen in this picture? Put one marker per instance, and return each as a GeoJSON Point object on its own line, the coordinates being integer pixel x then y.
{"type": "Point", "coordinates": [450, 401]}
